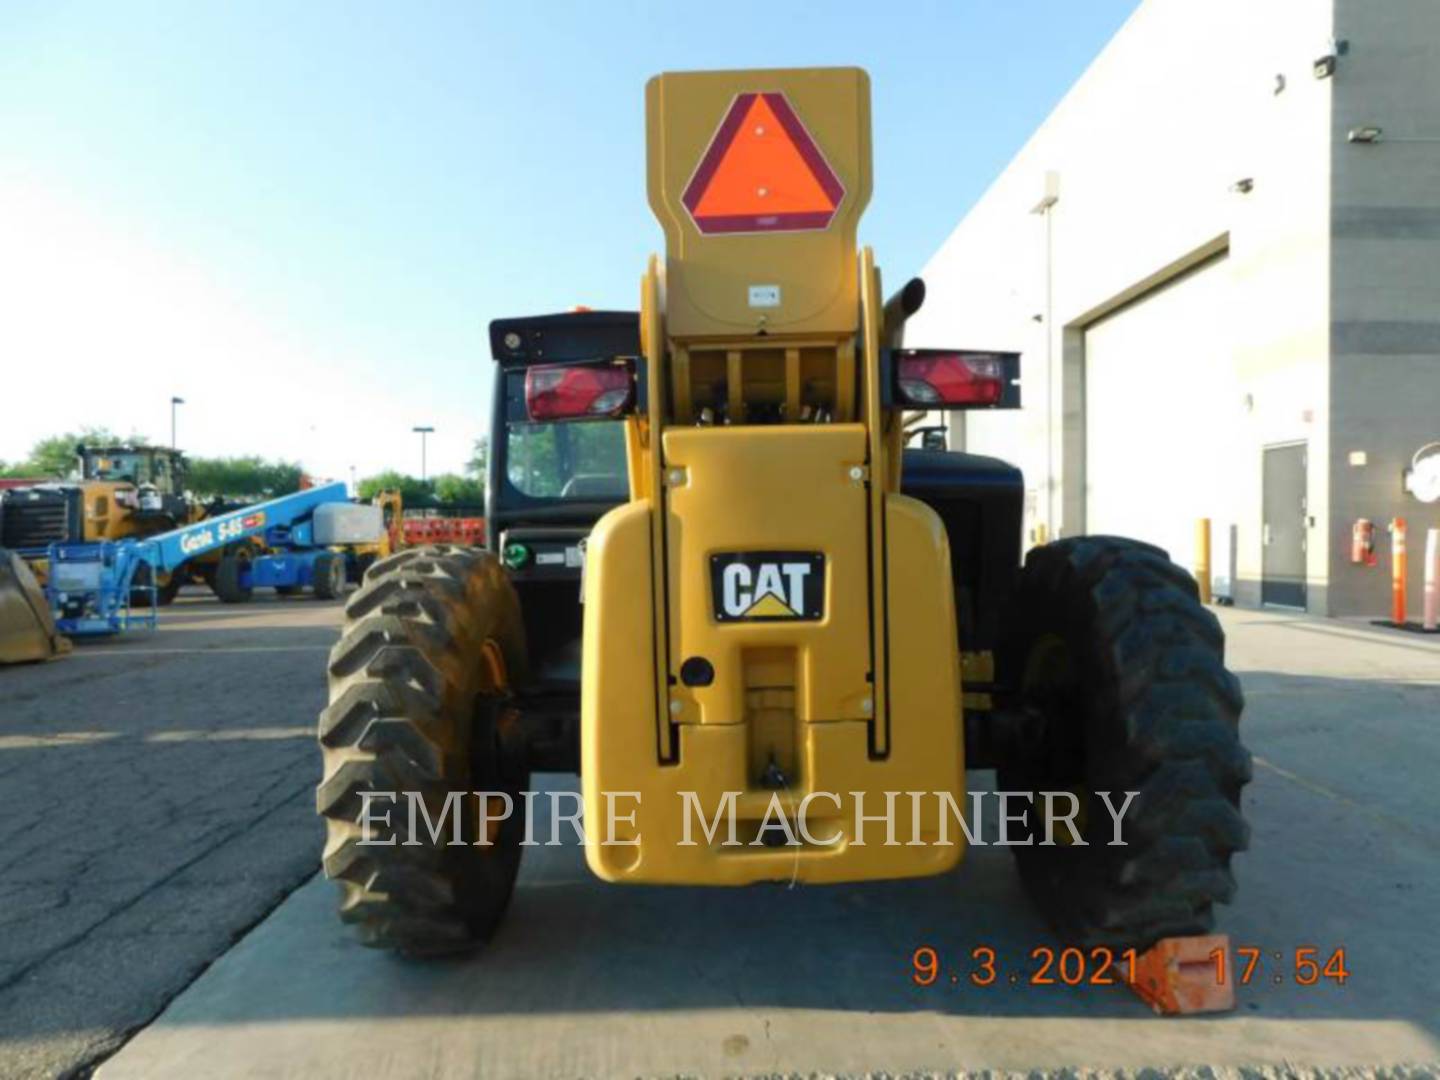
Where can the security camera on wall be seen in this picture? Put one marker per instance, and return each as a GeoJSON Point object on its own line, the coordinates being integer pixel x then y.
{"type": "Point", "coordinates": [1324, 64]}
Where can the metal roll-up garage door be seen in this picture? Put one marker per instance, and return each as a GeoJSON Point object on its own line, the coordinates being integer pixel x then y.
{"type": "Point", "coordinates": [1160, 404]}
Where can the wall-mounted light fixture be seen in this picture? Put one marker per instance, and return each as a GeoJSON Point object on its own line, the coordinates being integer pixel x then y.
{"type": "Point", "coordinates": [1324, 66]}
{"type": "Point", "coordinates": [1050, 193]}
{"type": "Point", "coordinates": [1368, 133]}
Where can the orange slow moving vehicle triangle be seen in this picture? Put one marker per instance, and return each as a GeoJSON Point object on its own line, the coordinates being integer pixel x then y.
{"type": "Point", "coordinates": [762, 173]}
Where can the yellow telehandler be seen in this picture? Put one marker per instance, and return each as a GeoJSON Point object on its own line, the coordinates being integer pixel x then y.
{"type": "Point", "coordinates": [796, 634]}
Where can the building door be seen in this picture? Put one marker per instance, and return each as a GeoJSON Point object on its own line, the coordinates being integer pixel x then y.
{"type": "Point", "coordinates": [1282, 559]}
{"type": "Point", "coordinates": [1160, 401]}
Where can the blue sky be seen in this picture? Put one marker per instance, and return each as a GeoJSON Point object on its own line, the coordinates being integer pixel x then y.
{"type": "Point", "coordinates": [301, 216]}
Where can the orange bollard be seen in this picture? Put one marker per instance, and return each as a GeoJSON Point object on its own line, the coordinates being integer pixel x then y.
{"type": "Point", "coordinates": [1202, 559]}
{"type": "Point", "coordinates": [1397, 571]}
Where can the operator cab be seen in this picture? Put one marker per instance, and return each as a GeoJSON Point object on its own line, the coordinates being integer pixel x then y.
{"type": "Point", "coordinates": [158, 466]}
{"type": "Point", "coordinates": [548, 482]}
{"type": "Point", "coordinates": [157, 473]}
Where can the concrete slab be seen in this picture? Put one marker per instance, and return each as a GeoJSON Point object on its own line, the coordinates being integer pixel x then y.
{"type": "Point", "coordinates": [597, 980]}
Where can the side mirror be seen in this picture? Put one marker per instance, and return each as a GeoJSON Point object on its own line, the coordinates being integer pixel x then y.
{"type": "Point", "coordinates": [956, 379]}
{"type": "Point", "coordinates": [560, 392]}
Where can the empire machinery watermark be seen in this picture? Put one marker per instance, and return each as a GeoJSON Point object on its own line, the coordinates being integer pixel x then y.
{"type": "Point", "coordinates": [818, 819]}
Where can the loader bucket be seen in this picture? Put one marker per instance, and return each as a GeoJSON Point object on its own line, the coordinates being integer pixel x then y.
{"type": "Point", "coordinates": [27, 630]}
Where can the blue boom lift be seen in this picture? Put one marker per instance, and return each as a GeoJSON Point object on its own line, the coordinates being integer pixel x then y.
{"type": "Point", "coordinates": [90, 585]}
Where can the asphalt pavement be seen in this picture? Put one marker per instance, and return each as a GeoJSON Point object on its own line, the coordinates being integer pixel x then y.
{"type": "Point", "coordinates": [158, 802]}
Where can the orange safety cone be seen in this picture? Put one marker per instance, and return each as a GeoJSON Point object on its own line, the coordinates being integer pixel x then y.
{"type": "Point", "coordinates": [1397, 571]}
{"type": "Point", "coordinates": [1180, 975]}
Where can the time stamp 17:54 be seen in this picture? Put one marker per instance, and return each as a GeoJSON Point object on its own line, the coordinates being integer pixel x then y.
{"type": "Point", "coordinates": [1047, 965]}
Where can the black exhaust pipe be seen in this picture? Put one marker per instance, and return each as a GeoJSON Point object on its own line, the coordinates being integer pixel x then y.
{"type": "Point", "coordinates": [898, 308]}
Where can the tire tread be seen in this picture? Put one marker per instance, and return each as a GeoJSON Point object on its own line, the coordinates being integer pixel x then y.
{"type": "Point", "coordinates": [1160, 715]}
{"type": "Point", "coordinates": [403, 678]}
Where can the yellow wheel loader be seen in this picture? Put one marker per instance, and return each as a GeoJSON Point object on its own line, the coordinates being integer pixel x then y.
{"type": "Point", "coordinates": [770, 639]}
{"type": "Point", "coordinates": [119, 493]}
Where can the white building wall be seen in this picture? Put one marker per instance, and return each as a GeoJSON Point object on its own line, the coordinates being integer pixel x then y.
{"type": "Point", "coordinates": [1148, 153]}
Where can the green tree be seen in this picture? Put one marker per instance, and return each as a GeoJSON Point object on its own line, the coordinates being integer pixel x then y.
{"type": "Point", "coordinates": [413, 490]}
{"type": "Point", "coordinates": [479, 458]}
{"type": "Point", "coordinates": [55, 456]}
{"type": "Point", "coordinates": [243, 477]}
{"type": "Point", "coordinates": [453, 488]}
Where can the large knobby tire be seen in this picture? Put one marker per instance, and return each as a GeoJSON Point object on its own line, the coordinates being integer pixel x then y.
{"type": "Point", "coordinates": [329, 576]}
{"type": "Point", "coordinates": [171, 589]}
{"type": "Point", "coordinates": [419, 703]}
{"type": "Point", "coordinates": [165, 593]}
{"type": "Point", "coordinates": [1110, 643]}
{"type": "Point", "coordinates": [227, 580]}
{"type": "Point", "coordinates": [141, 581]}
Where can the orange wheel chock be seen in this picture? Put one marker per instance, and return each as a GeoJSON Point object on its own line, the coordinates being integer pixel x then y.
{"type": "Point", "coordinates": [1180, 975]}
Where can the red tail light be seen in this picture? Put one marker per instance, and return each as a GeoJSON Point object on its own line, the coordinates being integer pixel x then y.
{"type": "Point", "coordinates": [942, 379]}
{"type": "Point", "coordinates": [579, 391]}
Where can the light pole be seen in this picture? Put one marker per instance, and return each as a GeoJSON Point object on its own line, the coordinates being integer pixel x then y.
{"type": "Point", "coordinates": [173, 402]}
{"type": "Point", "coordinates": [422, 432]}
